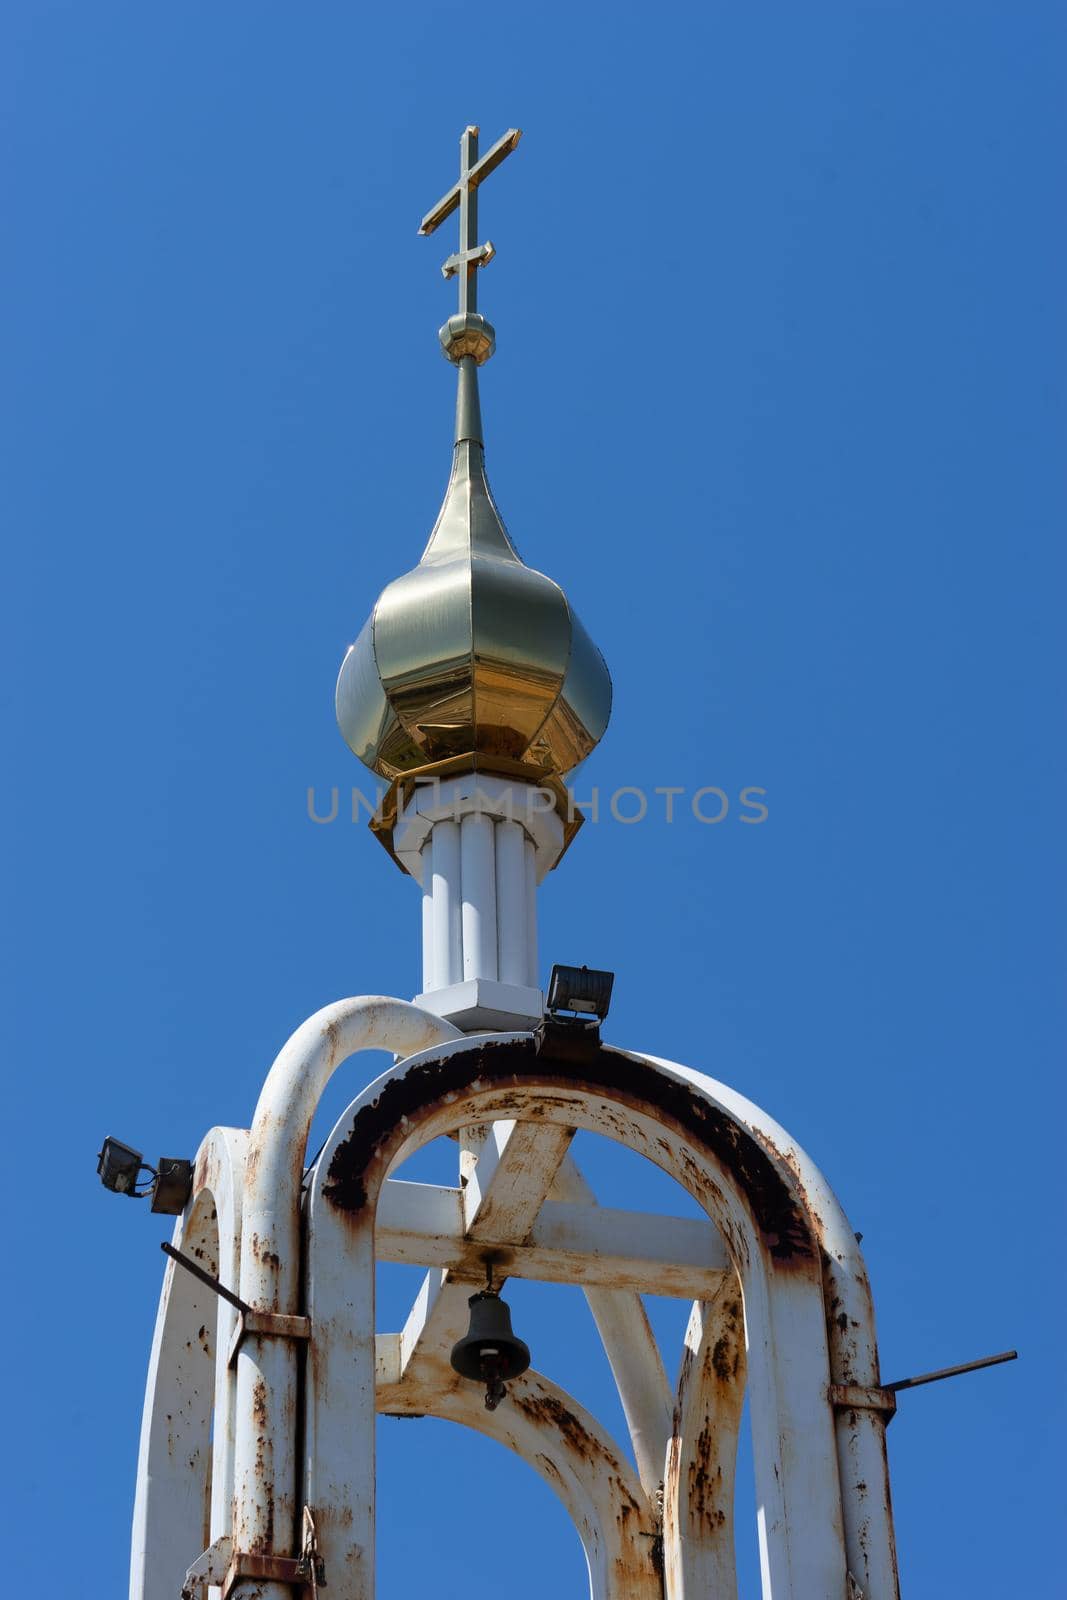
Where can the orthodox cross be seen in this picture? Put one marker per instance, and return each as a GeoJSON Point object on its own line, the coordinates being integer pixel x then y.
{"type": "Point", "coordinates": [471, 255]}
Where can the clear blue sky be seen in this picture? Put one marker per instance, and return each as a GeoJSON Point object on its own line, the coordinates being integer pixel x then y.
{"type": "Point", "coordinates": [779, 395]}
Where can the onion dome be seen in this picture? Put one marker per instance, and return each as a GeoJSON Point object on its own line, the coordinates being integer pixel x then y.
{"type": "Point", "coordinates": [472, 660]}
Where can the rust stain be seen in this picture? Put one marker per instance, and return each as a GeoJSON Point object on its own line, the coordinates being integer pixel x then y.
{"type": "Point", "coordinates": [685, 1374]}
{"type": "Point", "coordinates": [547, 1409]}
{"type": "Point", "coordinates": [549, 1467]}
{"type": "Point", "coordinates": [269, 1258]}
{"type": "Point", "coordinates": [706, 1487]}
{"type": "Point", "coordinates": [637, 1084]}
{"type": "Point", "coordinates": [721, 1360]}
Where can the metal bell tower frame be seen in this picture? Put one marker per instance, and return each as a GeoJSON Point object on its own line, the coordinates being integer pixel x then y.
{"type": "Point", "coordinates": [256, 1477]}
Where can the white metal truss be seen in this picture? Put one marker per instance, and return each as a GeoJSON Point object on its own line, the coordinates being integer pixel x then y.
{"type": "Point", "coordinates": [781, 1311]}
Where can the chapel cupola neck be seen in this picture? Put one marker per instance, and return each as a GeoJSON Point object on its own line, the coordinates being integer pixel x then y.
{"type": "Point", "coordinates": [468, 405]}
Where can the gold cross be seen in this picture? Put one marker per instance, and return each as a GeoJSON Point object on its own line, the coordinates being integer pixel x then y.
{"type": "Point", "coordinates": [471, 255]}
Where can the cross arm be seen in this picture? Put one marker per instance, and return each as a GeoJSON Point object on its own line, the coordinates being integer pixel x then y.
{"type": "Point", "coordinates": [478, 173]}
{"type": "Point", "coordinates": [441, 211]}
{"type": "Point", "coordinates": [569, 1243]}
{"type": "Point", "coordinates": [506, 1170]}
{"type": "Point", "coordinates": [512, 1170]}
{"type": "Point", "coordinates": [480, 256]}
{"type": "Point", "coordinates": [492, 158]}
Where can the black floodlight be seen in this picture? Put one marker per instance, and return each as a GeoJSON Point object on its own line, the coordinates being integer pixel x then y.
{"type": "Point", "coordinates": [170, 1184]}
{"type": "Point", "coordinates": [119, 1166]}
{"type": "Point", "coordinates": [173, 1186]}
{"type": "Point", "coordinates": [581, 990]}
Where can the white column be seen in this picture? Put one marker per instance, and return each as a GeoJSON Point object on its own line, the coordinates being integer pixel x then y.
{"type": "Point", "coordinates": [488, 844]}
{"type": "Point", "coordinates": [478, 879]}
{"type": "Point", "coordinates": [532, 964]}
{"type": "Point", "coordinates": [447, 935]}
{"type": "Point", "coordinates": [429, 971]}
{"type": "Point", "coordinates": [512, 922]}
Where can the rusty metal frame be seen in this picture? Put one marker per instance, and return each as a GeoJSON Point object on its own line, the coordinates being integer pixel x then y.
{"type": "Point", "coordinates": [863, 1465]}
{"type": "Point", "coordinates": [769, 1218]}
{"type": "Point", "coordinates": [192, 1333]}
{"type": "Point", "coordinates": [698, 1491]}
{"type": "Point", "coordinates": [266, 1378]}
{"type": "Point", "coordinates": [296, 1571]}
{"type": "Point", "coordinates": [552, 1432]}
{"type": "Point", "coordinates": [861, 1397]}
{"type": "Point", "coordinates": [266, 1325]}
{"type": "Point", "coordinates": [785, 1234]}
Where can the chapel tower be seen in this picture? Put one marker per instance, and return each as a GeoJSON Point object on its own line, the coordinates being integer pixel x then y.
{"type": "Point", "coordinates": [473, 689]}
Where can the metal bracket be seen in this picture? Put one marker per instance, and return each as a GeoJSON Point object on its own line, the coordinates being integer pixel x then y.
{"type": "Point", "coordinates": [268, 1325]}
{"type": "Point", "coordinates": [854, 1397]}
{"type": "Point", "coordinates": [210, 1568]}
{"type": "Point", "coordinates": [264, 1324]}
{"type": "Point", "coordinates": [299, 1572]}
{"type": "Point", "coordinates": [857, 1397]}
{"type": "Point", "coordinates": [574, 1041]}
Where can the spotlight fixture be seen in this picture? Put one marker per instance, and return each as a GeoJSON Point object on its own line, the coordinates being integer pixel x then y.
{"type": "Point", "coordinates": [581, 991]}
{"type": "Point", "coordinates": [170, 1184]}
{"type": "Point", "coordinates": [120, 1167]}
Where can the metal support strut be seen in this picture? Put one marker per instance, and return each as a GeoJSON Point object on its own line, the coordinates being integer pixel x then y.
{"type": "Point", "coordinates": [264, 1324]}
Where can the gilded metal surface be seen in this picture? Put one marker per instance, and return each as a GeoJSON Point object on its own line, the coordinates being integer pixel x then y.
{"type": "Point", "coordinates": [400, 791]}
{"type": "Point", "coordinates": [467, 335]}
{"type": "Point", "coordinates": [464, 263]}
{"type": "Point", "coordinates": [472, 654]}
{"type": "Point", "coordinates": [472, 657]}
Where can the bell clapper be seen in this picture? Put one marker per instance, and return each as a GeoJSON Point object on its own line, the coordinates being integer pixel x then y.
{"type": "Point", "coordinates": [495, 1388]}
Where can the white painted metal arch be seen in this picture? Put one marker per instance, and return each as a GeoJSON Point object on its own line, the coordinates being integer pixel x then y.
{"type": "Point", "coordinates": [581, 1464]}
{"type": "Point", "coordinates": [801, 1525]}
{"type": "Point", "coordinates": [185, 1469]}
{"type": "Point", "coordinates": [821, 1477]}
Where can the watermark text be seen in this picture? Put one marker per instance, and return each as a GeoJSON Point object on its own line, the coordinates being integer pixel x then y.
{"type": "Point", "coordinates": [627, 805]}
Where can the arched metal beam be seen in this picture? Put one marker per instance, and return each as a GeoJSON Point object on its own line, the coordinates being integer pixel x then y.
{"type": "Point", "coordinates": [853, 1347]}
{"type": "Point", "coordinates": [558, 1438]}
{"type": "Point", "coordinates": [265, 1460]}
{"type": "Point", "coordinates": [677, 1120]}
{"type": "Point", "coordinates": [632, 1352]}
{"type": "Point", "coordinates": [698, 1499]}
{"type": "Point", "coordinates": [187, 1372]}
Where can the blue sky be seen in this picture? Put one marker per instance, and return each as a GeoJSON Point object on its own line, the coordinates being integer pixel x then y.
{"type": "Point", "coordinates": [779, 397]}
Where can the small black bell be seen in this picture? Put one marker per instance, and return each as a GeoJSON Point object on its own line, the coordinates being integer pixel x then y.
{"type": "Point", "coordinates": [489, 1352]}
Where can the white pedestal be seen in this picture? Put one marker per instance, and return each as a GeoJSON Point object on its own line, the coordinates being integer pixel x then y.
{"type": "Point", "coordinates": [479, 846]}
{"type": "Point", "coordinates": [482, 1006]}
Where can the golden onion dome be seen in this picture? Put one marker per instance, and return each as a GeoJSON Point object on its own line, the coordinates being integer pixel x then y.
{"type": "Point", "coordinates": [472, 660]}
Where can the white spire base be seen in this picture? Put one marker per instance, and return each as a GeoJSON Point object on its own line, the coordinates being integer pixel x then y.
{"type": "Point", "coordinates": [479, 846]}
{"type": "Point", "coordinates": [482, 1006]}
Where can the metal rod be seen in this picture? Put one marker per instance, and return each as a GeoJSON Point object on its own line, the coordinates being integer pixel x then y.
{"type": "Point", "coordinates": [953, 1372]}
{"type": "Point", "coordinates": [205, 1277]}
